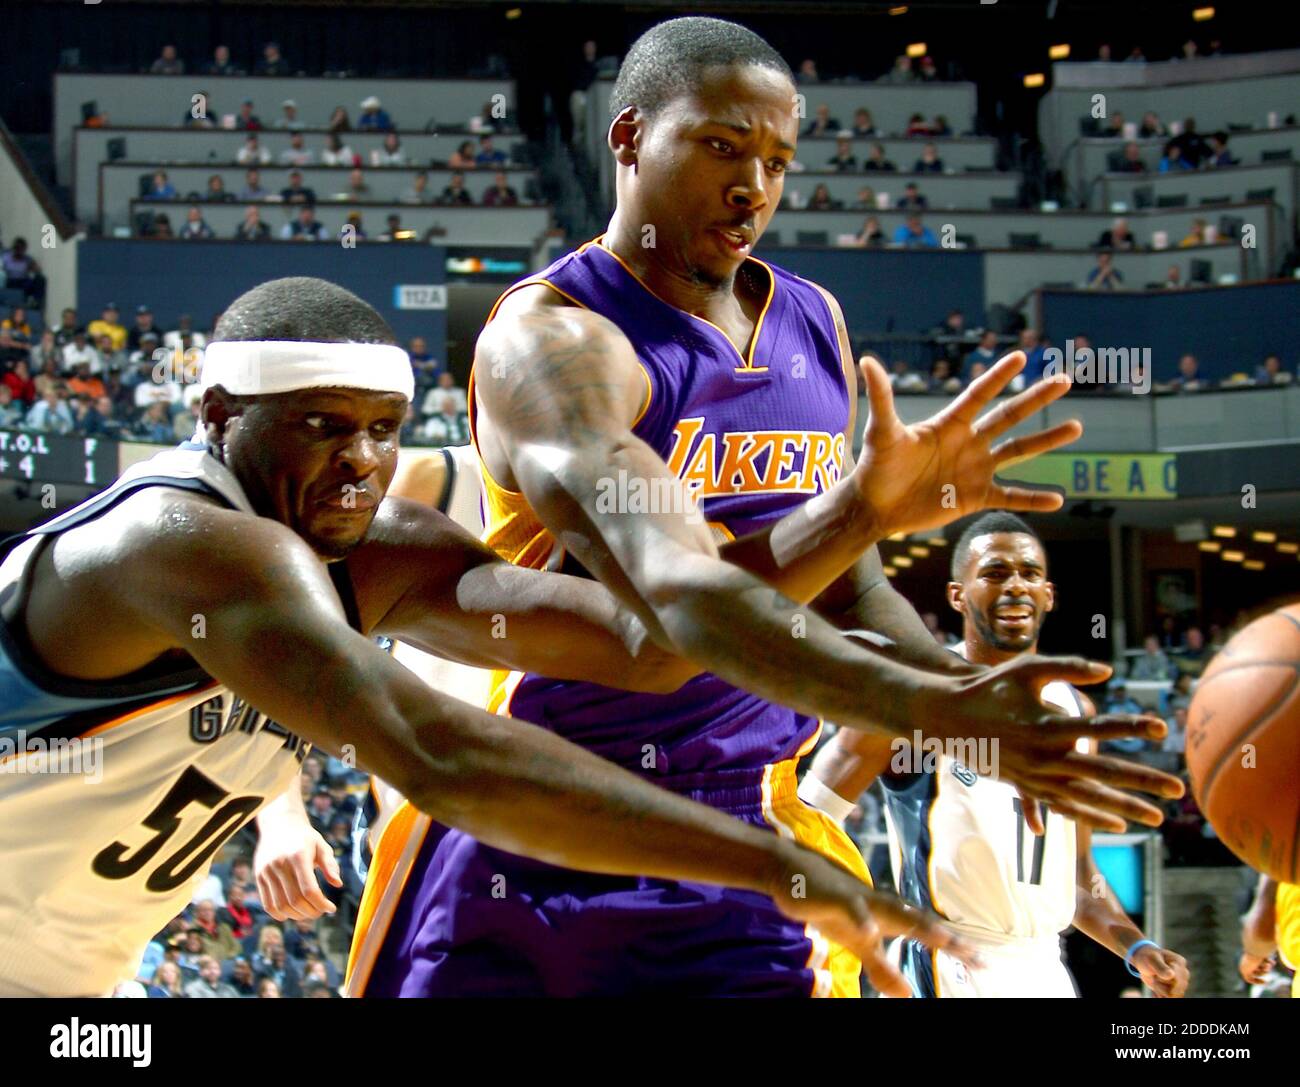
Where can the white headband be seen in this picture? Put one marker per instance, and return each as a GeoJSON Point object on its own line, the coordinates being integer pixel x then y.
{"type": "Point", "coordinates": [260, 367]}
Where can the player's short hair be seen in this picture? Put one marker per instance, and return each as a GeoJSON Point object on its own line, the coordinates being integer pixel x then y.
{"type": "Point", "coordinates": [984, 525]}
{"type": "Point", "coordinates": [302, 308]}
{"type": "Point", "coordinates": [668, 61]}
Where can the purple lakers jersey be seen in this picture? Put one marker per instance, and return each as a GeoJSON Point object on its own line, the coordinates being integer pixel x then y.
{"type": "Point", "coordinates": [751, 437]}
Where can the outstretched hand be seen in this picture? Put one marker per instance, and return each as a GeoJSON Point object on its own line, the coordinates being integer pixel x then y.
{"type": "Point", "coordinates": [922, 476]}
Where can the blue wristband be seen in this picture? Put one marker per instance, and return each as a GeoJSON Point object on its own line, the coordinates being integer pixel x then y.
{"type": "Point", "coordinates": [1128, 955]}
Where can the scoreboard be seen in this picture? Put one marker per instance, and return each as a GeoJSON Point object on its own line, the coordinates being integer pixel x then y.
{"type": "Point", "coordinates": [52, 458]}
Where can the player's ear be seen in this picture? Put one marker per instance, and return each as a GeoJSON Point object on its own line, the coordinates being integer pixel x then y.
{"type": "Point", "coordinates": [1050, 590]}
{"type": "Point", "coordinates": [956, 597]}
{"type": "Point", "coordinates": [216, 409]}
{"type": "Point", "coordinates": [624, 132]}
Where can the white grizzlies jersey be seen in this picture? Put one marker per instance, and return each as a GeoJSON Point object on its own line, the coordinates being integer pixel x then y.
{"type": "Point", "coordinates": [158, 771]}
{"type": "Point", "coordinates": [959, 845]}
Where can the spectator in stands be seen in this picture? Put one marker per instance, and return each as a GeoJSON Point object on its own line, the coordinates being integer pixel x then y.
{"type": "Point", "coordinates": [1152, 664]}
{"type": "Point", "coordinates": [16, 336]}
{"type": "Point", "coordinates": [217, 193]}
{"type": "Point", "coordinates": [918, 126]}
{"type": "Point", "coordinates": [501, 194]}
{"type": "Point", "coordinates": [863, 123]}
{"type": "Point", "coordinates": [168, 63]}
{"type": "Point", "coordinates": [865, 200]}
{"type": "Point", "coordinates": [1105, 276]}
{"type": "Point", "coordinates": [199, 115]}
{"type": "Point", "coordinates": [184, 327]}
{"type": "Point", "coordinates": [1194, 149]}
{"type": "Point", "coordinates": [941, 377]}
{"type": "Point", "coordinates": [912, 198]}
{"type": "Point", "coordinates": [454, 192]}
{"type": "Point", "coordinates": [241, 977]}
{"type": "Point", "coordinates": [354, 227]}
{"type": "Point", "coordinates": [50, 413]}
{"type": "Point", "coordinates": [821, 199]}
{"type": "Point", "coordinates": [218, 938]}
{"type": "Point", "coordinates": [46, 349]}
{"type": "Point", "coordinates": [807, 72]}
{"type": "Point", "coordinates": [940, 126]}
{"type": "Point", "coordinates": [1176, 739]}
{"type": "Point", "coordinates": [463, 157]}
{"type": "Point", "coordinates": [822, 124]}
{"type": "Point", "coordinates": [1189, 379]}
{"type": "Point", "coordinates": [1136, 56]}
{"type": "Point", "coordinates": [195, 226]}
{"type": "Point", "coordinates": [488, 155]}
{"type": "Point", "coordinates": [246, 120]}
{"type": "Point", "coordinates": [161, 188]}
{"type": "Point", "coordinates": [1194, 654]}
{"type": "Point", "coordinates": [288, 115]}
{"type": "Point", "coordinates": [448, 427]}
{"type": "Point", "coordinates": [220, 62]}
{"type": "Point", "coordinates": [357, 188]}
{"type": "Point", "coordinates": [67, 327]}
{"type": "Point", "coordinates": [155, 425]}
{"type": "Point", "coordinates": [18, 377]}
{"type": "Point", "coordinates": [253, 153]}
{"type": "Point", "coordinates": [144, 326]}
{"type": "Point", "coordinates": [1119, 236]}
{"type": "Point", "coordinates": [296, 192]}
{"type": "Point", "coordinates": [1132, 161]}
{"type": "Point", "coordinates": [419, 192]}
{"type": "Point", "coordinates": [929, 162]}
{"type": "Point", "coordinates": [21, 272]}
{"type": "Point", "coordinates": [11, 414]}
{"type": "Point", "coordinates": [297, 153]}
{"type": "Point", "coordinates": [209, 983]}
{"type": "Point", "coordinates": [81, 350]}
{"type": "Point", "coordinates": [901, 72]}
{"type": "Point", "coordinates": [903, 380]}
{"type": "Point", "coordinates": [871, 235]}
{"type": "Point", "coordinates": [305, 228]}
{"type": "Point", "coordinates": [1173, 278]}
{"type": "Point", "coordinates": [240, 917]}
{"type": "Point", "coordinates": [395, 232]}
{"type": "Point", "coordinates": [339, 120]}
{"type": "Point", "coordinates": [844, 161]}
{"type": "Point", "coordinates": [374, 118]}
{"type": "Point", "coordinates": [1195, 236]}
{"type": "Point", "coordinates": [272, 63]}
{"type": "Point", "coordinates": [1270, 372]}
{"type": "Point", "coordinates": [252, 229]}
{"type": "Point", "coordinates": [338, 153]}
{"type": "Point", "coordinates": [928, 72]}
{"type": "Point", "coordinates": [986, 351]}
{"type": "Point", "coordinates": [268, 989]}
{"type": "Point", "coordinates": [102, 420]}
{"type": "Point", "coordinates": [914, 234]}
{"type": "Point", "coordinates": [444, 386]}
{"type": "Point", "coordinates": [160, 227]}
{"type": "Point", "coordinates": [166, 981]}
{"type": "Point", "coordinates": [49, 380]}
{"type": "Point", "coordinates": [1031, 343]}
{"type": "Point", "coordinates": [1152, 127]}
{"type": "Point", "coordinates": [391, 154]}
{"type": "Point", "coordinates": [108, 324]}
{"type": "Point", "coordinates": [1218, 154]}
{"type": "Point", "coordinates": [1190, 51]}
{"type": "Point", "coordinates": [876, 159]}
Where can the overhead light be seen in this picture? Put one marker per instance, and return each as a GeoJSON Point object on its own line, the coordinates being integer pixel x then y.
{"type": "Point", "coordinates": [1210, 545]}
{"type": "Point", "coordinates": [1202, 15]}
{"type": "Point", "coordinates": [901, 560]}
{"type": "Point", "coordinates": [514, 13]}
{"type": "Point", "coordinates": [918, 551]}
{"type": "Point", "coordinates": [1226, 531]}
{"type": "Point", "coordinates": [1190, 531]}
{"type": "Point", "coordinates": [917, 49]}
{"type": "Point", "coordinates": [1059, 52]}
{"type": "Point", "coordinates": [936, 541]}
{"type": "Point", "coordinates": [1035, 79]}
{"type": "Point", "coordinates": [1264, 537]}
{"type": "Point", "coordinates": [900, 10]}
{"type": "Point", "coordinates": [1233, 556]}
{"type": "Point", "coordinates": [1253, 564]}
{"type": "Point", "coordinates": [890, 571]}
{"type": "Point", "coordinates": [898, 537]}
{"type": "Point", "coordinates": [1288, 548]}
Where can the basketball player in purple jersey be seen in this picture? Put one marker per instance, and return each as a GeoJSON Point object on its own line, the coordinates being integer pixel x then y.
{"type": "Point", "coordinates": [661, 354]}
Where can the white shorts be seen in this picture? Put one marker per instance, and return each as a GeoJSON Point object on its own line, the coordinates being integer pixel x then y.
{"type": "Point", "coordinates": [1031, 968]}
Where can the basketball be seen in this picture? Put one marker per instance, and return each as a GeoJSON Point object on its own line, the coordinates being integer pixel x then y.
{"type": "Point", "coordinates": [1243, 744]}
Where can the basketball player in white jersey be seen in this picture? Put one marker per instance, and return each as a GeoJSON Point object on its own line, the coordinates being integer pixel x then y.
{"type": "Point", "coordinates": [289, 849]}
{"type": "Point", "coordinates": [964, 845]}
{"type": "Point", "coordinates": [211, 615]}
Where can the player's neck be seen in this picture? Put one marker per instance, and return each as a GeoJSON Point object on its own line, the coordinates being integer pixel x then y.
{"type": "Point", "coordinates": [980, 652]}
{"type": "Point", "coordinates": [674, 285]}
